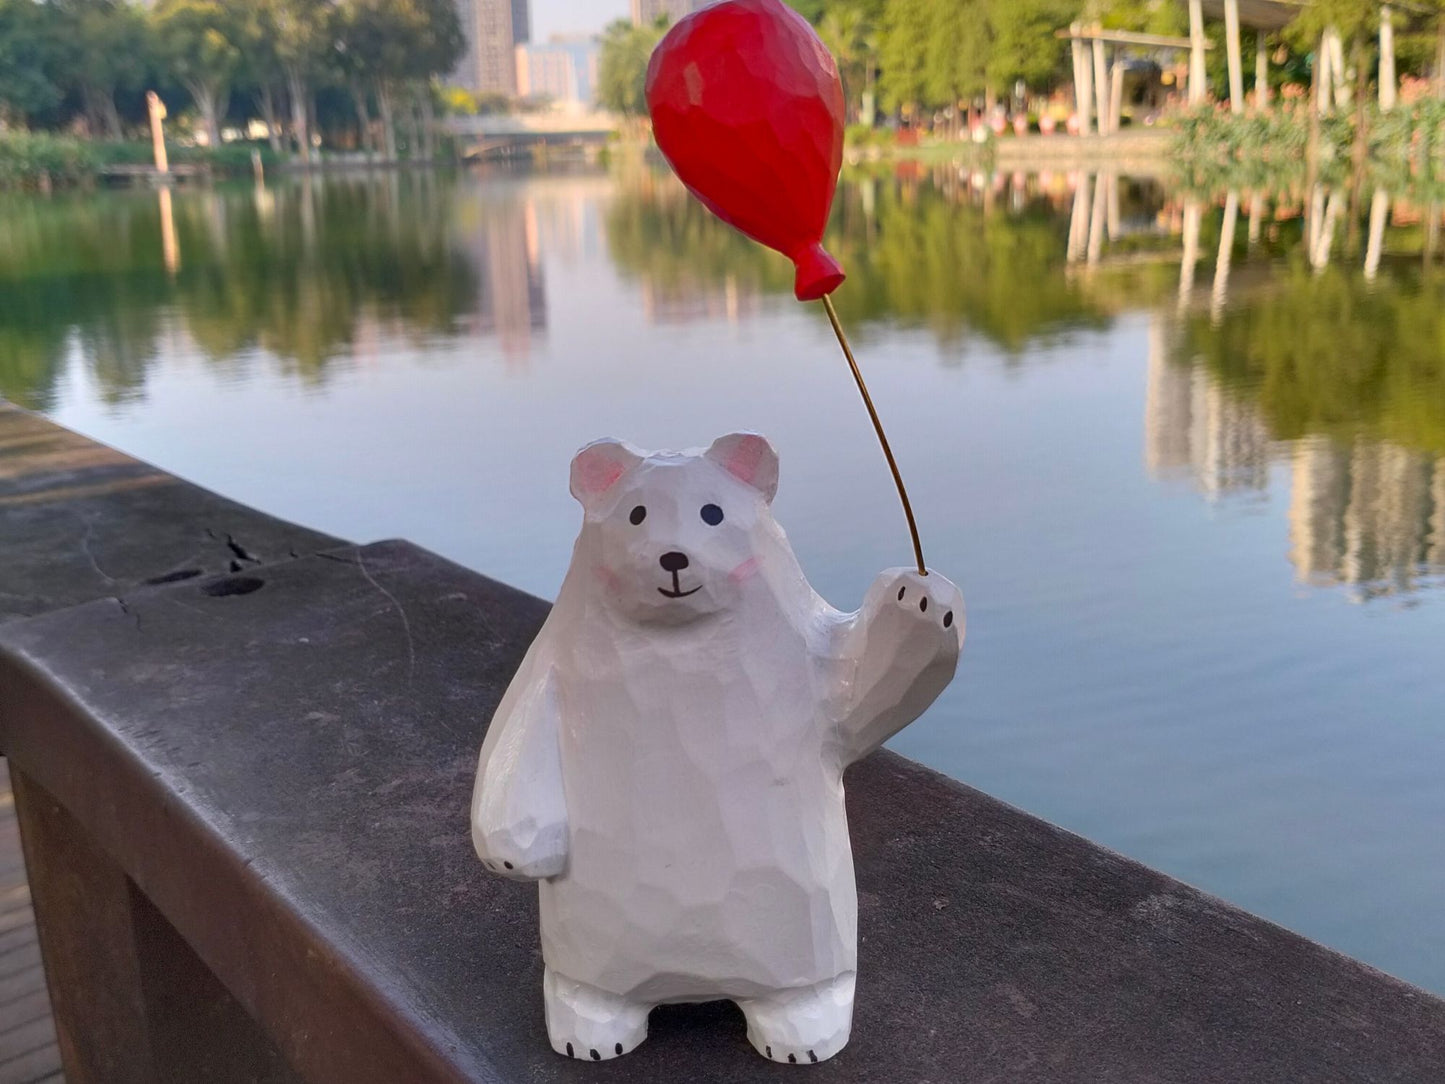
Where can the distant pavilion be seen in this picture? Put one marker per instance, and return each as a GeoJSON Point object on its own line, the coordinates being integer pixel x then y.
{"type": "Point", "coordinates": [1099, 67]}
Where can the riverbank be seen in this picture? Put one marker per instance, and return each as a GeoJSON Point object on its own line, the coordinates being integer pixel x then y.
{"type": "Point", "coordinates": [41, 162]}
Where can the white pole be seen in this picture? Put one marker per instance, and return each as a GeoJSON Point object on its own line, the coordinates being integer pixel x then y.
{"type": "Point", "coordinates": [1079, 222]}
{"type": "Point", "coordinates": [1388, 83]}
{"type": "Point", "coordinates": [1192, 217]}
{"type": "Point", "coordinates": [1236, 62]}
{"type": "Point", "coordinates": [1337, 69]}
{"type": "Point", "coordinates": [1327, 232]}
{"type": "Point", "coordinates": [1226, 253]}
{"type": "Point", "coordinates": [1101, 86]}
{"type": "Point", "coordinates": [1083, 85]}
{"type": "Point", "coordinates": [1261, 69]}
{"type": "Point", "coordinates": [1116, 97]}
{"type": "Point", "coordinates": [1096, 221]}
{"type": "Point", "coordinates": [1197, 79]}
{"type": "Point", "coordinates": [1379, 213]}
{"type": "Point", "coordinates": [157, 111]}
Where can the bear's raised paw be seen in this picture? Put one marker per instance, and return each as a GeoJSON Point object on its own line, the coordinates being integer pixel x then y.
{"type": "Point", "coordinates": [931, 600]}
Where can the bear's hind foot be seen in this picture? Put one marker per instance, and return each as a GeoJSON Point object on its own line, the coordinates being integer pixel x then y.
{"type": "Point", "coordinates": [805, 1026]}
{"type": "Point", "coordinates": [591, 1024]}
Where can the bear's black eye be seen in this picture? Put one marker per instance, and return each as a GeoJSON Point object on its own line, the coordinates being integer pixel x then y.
{"type": "Point", "coordinates": [638, 515]}
{"type": "Point", "coordinates": [711, 515]}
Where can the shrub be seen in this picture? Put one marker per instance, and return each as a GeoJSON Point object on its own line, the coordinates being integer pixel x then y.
{"type": "Point", "coordinates": [36, 160]}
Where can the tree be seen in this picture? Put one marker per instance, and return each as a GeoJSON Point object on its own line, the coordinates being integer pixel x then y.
{"type": "Point", "coordinates": [439, 45]}
{"type": "Point", "coordinates": [392, 49]}
{"type": "Point", "coordinates": [622, 69]}
{"type": "Point", "coordinates": [196, 40]}
{"type": "Point", "coordinates": [933, 52]}
{"type": "Point", "coordinates": [303, 44]}
{"type": "Point", "coordinates": [260, 71]}
{"type": "Point", "coordinates": [848, 33]}
{"type": "Point", "coordinates": [957, 52]}
{"type": "Point", "coordinates": [1023, 46]}
{"type": "Point", "coordinates": [31, 59]}
{"type": "Point", "coordinates": [111, 52]}
{"type": "Point", "coordinates": [815, 11]}
{"type": "Point", "coordinates": [902, 43]}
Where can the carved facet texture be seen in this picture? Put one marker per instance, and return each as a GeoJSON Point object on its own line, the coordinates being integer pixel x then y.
{"type": "Point", "coordinates": [748, 108]}
{"type": "Point", "coordinates": [668, 761]}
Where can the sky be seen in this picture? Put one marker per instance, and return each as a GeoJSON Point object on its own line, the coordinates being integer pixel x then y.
{"type": "Point", "coordinates": [573, 16]}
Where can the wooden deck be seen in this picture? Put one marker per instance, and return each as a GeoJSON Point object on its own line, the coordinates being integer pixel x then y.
{"type": "Point", "coordinates": [28, 1054]}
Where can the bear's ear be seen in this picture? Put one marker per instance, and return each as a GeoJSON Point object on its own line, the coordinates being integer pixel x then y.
{"type": "Point", "coordinates": [598, 466]}
{"type": "Point", "coordinates": [750, 458]}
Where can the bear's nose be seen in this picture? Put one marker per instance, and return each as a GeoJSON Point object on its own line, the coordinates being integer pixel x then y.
{"type": "Point", "coordinates": [673, 562]}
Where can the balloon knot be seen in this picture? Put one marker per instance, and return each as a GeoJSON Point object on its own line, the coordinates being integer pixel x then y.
{"type": "Point", "coordinates": [818, 273]}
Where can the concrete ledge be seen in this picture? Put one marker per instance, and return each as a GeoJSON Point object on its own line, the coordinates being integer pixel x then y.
{"type": "Point", "coordinates": [284, 771]}
{"type": "Point", "coordinates": [79, 520]}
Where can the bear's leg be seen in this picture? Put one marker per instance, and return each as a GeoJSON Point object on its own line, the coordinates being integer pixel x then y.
{"type": "Point", "coordinates": [805, 1025]}
{"type": "Point", "coordinates": [588, 1023]}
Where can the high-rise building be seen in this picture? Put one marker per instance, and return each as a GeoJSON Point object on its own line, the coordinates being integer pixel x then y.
{"type": "Point", "coordinates": [521, 21]}
{"type": "Point", "coordinates": [564, 70]}
{"type": "Point", "coordinates": [493, 29]}
{"type": "Point", "coordinates": [646, 12]}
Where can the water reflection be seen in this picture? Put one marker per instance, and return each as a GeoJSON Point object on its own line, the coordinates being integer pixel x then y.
{"type": "Point", "coordinates": [1368, 514]}
{"type": "Point", "coordinates": [1321, 322]}
{"type": "Point", "coordinates": [297, 272]}
{"type": "Point", "coordinates": [1371, 516]}
{"type": "Point", "coordinates": [1135, 419]}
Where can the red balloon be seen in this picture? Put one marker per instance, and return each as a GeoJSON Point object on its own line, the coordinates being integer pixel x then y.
{"type": "Point", "coordinates": [747, 106]}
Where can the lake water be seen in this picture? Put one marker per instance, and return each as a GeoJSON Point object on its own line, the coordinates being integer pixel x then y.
{"type": "Point", "coordinates": [1196, 504]}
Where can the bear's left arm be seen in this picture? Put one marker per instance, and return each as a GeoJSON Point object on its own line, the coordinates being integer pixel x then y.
{"type": "Point", "coordinates": [519, 810]}
{"type": "Point", "coordinates": [893, 657]}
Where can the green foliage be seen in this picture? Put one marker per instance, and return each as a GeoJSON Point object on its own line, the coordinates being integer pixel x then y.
{"type": "Point", "coordinates": [1023, 45]}
{"type": "Point", "coordinates": [112, 60]}
{"type": "Point", "coordinates": [1214, 149]}
{"type": "Point", "coordinates": [27, 161]}
{"type": "Point", "coordinates": [398, 40]}
{"type": "Point", "coordinates": [933, 53]}
{"type": "Point", "coordinates": [815, 11]}
{"type": "Point", "coordinates": [1144, 16]}
{"type": "Point", "coordinates": [903, 41]}
{"type": "Point", "coordinates": [30, 160]}
{"type": "Point", "coordinates": [1356, 20]}
{"type": "Point", "coordinates": [32, 61]}
{"type": "Point", "coordinates": [622, 68]}
{"type": "Point", "coordinates": [936, 53]}
{"type": "Point", "coordinates": [849, 34]}
{"type": "Point", "coordinates": [197, 41]}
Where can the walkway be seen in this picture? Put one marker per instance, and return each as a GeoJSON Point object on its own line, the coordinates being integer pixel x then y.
{"type": "Point", "coordinates": [28, 1054]}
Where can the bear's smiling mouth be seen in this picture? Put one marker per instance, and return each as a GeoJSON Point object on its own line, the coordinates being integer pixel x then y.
{"type": "Point", "coordinates": [677, 591]}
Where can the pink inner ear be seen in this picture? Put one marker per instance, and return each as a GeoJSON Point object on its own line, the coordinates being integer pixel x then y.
{"type": "Point", "coordinates": [744, 459]}
{"type": "Point", "coordinates": [598, 473]}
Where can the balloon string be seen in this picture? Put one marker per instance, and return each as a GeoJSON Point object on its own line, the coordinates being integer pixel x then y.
{"type": "Point", "coordinates": [878, 428]}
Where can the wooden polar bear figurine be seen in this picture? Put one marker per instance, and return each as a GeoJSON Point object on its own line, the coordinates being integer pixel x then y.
{"type": "Point", "coordinates": [668, 761]}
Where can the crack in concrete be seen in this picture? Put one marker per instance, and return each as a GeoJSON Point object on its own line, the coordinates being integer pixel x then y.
{"type": "Point", "coordinates": [401, 611]}
{"type": "Point", "coordinates": [89, 554]}
{"type": "Point", "coordinates": [125, 609]}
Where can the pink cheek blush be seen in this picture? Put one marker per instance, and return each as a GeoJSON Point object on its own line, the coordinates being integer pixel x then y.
{"type": "Point", "coordinates": [606, 576]}
{"type": "Point", "coordinates": [744, 571]}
